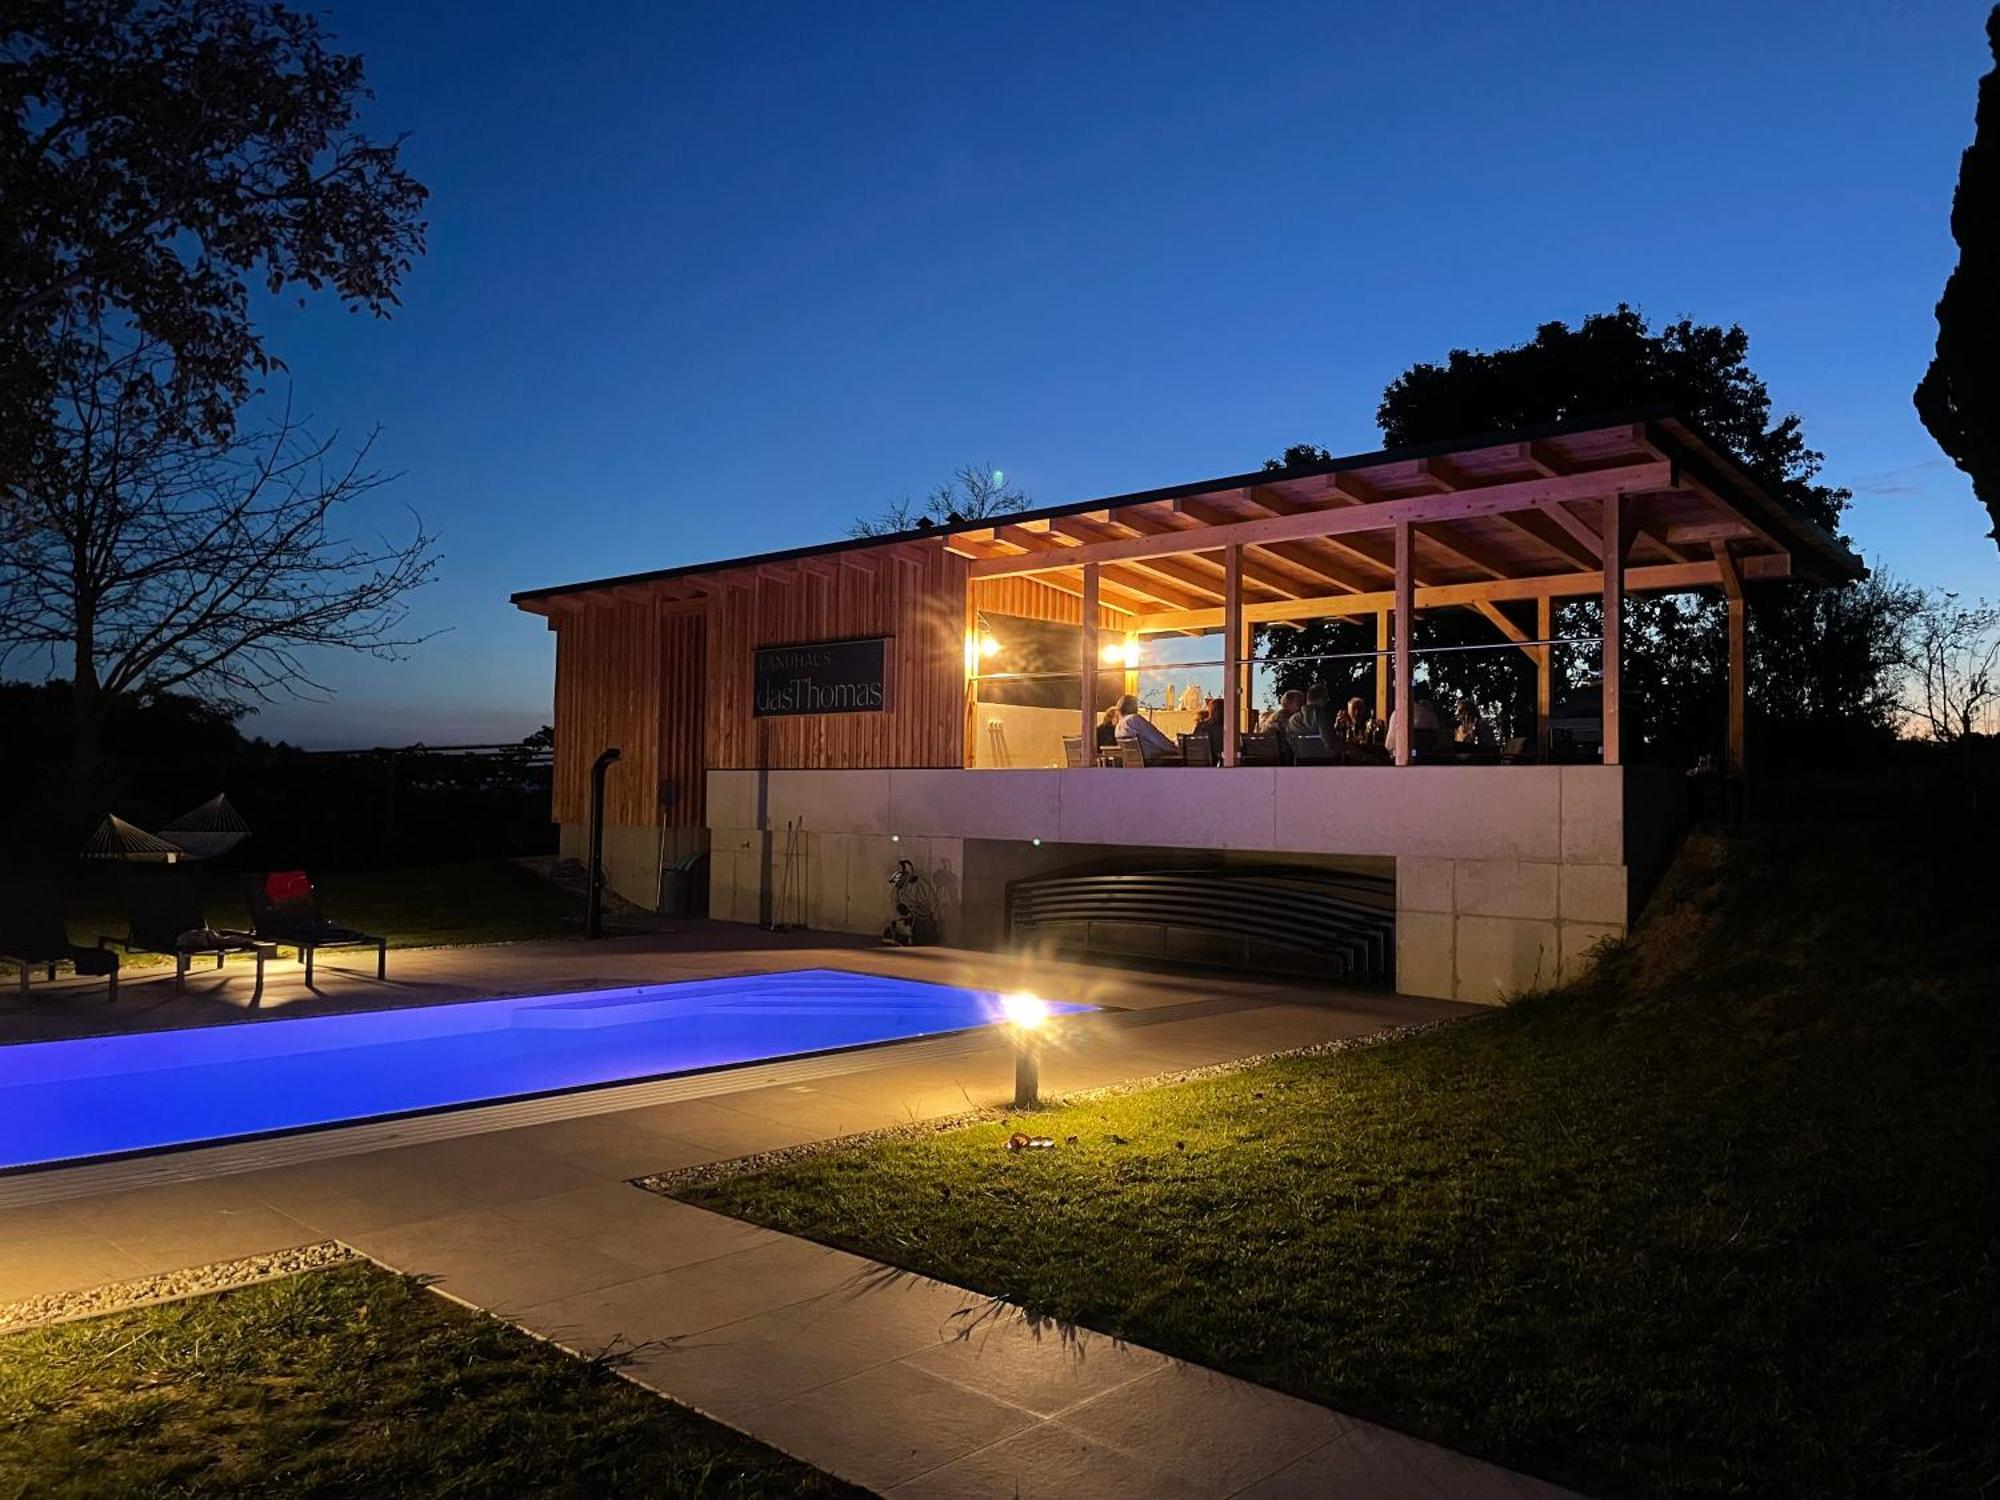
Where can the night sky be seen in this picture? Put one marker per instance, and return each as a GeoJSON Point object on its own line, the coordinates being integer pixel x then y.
{"type": "Point", "coordinates": [708, 280]}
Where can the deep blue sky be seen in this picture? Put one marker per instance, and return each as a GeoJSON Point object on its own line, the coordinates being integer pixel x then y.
{"type": "Point", "coordinates": [707, 280]}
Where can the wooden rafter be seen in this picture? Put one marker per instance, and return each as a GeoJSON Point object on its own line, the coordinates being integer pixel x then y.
{"type": "Point", "coordinates": [1665, 578]}
{"type": "Point", "coordinates": [1486, 500]}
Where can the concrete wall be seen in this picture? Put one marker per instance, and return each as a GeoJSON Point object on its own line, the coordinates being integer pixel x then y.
{"type": "Point", "coordinates": [632, 857]}
{"type": "Point", "coordinates": [1506, 876]}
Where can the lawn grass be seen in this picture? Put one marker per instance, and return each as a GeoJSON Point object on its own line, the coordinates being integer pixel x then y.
{"type": "Point", "coordinates": [1716, 1221]}
{"type": "Point", "coordinates": [484, 901]}
{"type": "Point", "coordinates": [348, 1382]}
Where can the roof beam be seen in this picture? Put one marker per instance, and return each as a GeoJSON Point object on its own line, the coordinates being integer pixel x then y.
{"type": "Point", "coordinates": [1675, 578]}
{"type": "Point", "coordinates": [1488, 500]}
{"type": "Point", "coordinates": [1701, 533]}
{"type": "Point", "coordinates": [1273, 503]}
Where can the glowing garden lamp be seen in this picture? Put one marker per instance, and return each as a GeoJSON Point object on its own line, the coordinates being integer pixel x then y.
{"type": "Point", "coordinates": [1026, 1015]}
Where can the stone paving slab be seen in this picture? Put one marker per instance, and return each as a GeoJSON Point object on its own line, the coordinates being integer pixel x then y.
{"type": "Point", "coordinates": [905, 1385]}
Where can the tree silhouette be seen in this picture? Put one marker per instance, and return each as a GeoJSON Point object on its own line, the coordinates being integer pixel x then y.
{"type": "Point", "coordinates": [1959, 396]}
{"type": "Point", "coordinates": [973, 493]}
{"type": "Point", "coordinates": [159, 159]}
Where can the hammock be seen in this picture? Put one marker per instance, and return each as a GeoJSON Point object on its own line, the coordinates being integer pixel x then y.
{"type": "Point", "coordinates": [211, 829]}
{"type": "Point", "coordinates": [117, 839]}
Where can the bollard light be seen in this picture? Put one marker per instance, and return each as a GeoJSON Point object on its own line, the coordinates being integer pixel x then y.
{"type": "Point", "coordinates": [1026, 1015]}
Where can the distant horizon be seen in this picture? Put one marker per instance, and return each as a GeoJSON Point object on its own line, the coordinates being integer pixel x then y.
{"type": "Point", "coordinates": [665, 319]}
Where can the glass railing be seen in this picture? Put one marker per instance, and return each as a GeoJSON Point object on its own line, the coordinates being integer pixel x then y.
{"type": "Point", "coordinates": [1472, 702]}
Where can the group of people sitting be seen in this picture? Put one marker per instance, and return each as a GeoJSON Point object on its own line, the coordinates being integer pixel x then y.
{"type": "Point", "coordinates": [1304, 724]}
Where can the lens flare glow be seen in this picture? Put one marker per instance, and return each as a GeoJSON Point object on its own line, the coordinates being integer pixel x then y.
{"type": "Point", "coordinates": [1024, 1010]}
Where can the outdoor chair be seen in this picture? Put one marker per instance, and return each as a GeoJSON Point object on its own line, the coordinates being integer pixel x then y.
{"type": "Point", "coordinates": [32, 934]}
{"type": "Point", "coordinates": [1197, 749]}
{"type": "Point", "coordinates": [285, 909]}
{"type": "Point", "coordinates": [1131, 755]}
{"type": "Point", "coordinates": [1257, 750]}
{"type": "Point", "coordinates": [1073, 749]}
{"type": "Point", "coordinates": [163, 915]}
{"type": "Point", "coordinates": [1311, 749]}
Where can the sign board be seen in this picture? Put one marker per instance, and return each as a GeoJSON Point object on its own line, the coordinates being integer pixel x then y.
{"type": "Point", "coordinates": [822, 677]}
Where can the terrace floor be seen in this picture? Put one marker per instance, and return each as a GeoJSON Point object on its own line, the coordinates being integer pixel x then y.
{"type": "Point", "coordinates": [909, 1386]}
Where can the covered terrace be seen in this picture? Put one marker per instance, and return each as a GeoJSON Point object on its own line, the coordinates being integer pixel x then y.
{"type": "Point", "coordinates": [1505, 526]}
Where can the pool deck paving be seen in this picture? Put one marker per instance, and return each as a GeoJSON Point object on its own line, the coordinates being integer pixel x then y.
{"type": "Point", "coordinates": [896, 1382]}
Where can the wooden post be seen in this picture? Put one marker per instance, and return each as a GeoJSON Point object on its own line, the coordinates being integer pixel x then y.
{"type": "Point", "coordinates": [1089, 691]}
{"type": "Point", "coordinates": [1614, 620]}
{"type": "Point", "coordinates": [1381, 664]}
{"type": "Point", "coordinates": [1545, 661]}
{"type": "Point", "coordinates": [1232, 635]}
{"type": "Point", "coordinates": [1406, 598]}
{"type": "Point", "coordinates": [970, 726]}
{"type": "Point", "coordinates": [1739, 652]}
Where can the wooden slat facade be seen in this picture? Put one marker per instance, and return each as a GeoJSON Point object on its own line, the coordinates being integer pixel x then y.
{"type": "Point", "coordinates": [668, 679]}
{"type": "Point", "coordinates": [1031, 599]}
{"type": "Point", "coordinates": [915, 596]}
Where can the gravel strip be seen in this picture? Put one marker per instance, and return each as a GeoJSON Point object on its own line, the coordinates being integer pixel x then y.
{"type": "Point", "coordinates": [669, 1183]}
{"type": "Point", "coordinates": [169, 1286]}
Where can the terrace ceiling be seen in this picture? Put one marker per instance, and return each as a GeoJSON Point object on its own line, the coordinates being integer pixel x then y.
{"type": "Point", "coordinates": [1503, 520]}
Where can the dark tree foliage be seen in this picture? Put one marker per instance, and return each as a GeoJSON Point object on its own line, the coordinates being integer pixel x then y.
{"type": "Point", "coordinates": [1959, 396]}
{"type": "Point", "coordinates": [1609, 362]}
{"type": "Point", "coordinates": [1820, 660]}
{"type": "Point", "coordinates": [159, 159]}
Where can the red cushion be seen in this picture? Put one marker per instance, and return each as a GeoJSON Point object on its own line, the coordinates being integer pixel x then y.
{"type": "Point", "coordinates": [282, 886]}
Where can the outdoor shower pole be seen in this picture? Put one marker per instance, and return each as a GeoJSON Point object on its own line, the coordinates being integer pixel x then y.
{"type": "Point", "coordinates": [593, 907]}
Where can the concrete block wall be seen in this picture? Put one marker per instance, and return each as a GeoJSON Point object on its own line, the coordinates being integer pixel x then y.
{"type": "Point", "coordinates": [839, 880]}
{"type": "Point", "coordinates": [1507, 876]}
{"type": "Point", "coordinates": [1482, 930]}
{"type": "Point", "coordinates": [632, 855]}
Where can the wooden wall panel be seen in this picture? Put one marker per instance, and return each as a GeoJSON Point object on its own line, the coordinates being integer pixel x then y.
{"type": "Point", "coordinates": [683, 720]}
{"type": "Point", "coordinates": [913, 594]}
{"type": "Point", "coordinates": [1029, 599]}
{"type": "Point", "coordinates": [607, 693]}
{"type": "Point", "coordinates": [668, 680]}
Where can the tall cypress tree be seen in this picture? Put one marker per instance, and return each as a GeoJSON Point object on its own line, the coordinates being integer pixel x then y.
{"type": "Point", "coordinates": [1959, 396]}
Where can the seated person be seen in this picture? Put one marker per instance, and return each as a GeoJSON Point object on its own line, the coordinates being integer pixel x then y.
{"type": "Point", "coordinates": [1274, 720]}
{"type": "Point", "coordinates": [1354, 724]}
{"type": "Point", "coordinates": [1153, 745]}
{"type": "Point", "coordinates": [1211, 725]}
{"type": "Point", "coordinates": [1315, 716]}
{"type": "Point", "coordinates": [1472, 732]}
{"type": "Point", "coordinates": [1424, 723]}
{"type": "Point", "coordinates": [1107, 729]}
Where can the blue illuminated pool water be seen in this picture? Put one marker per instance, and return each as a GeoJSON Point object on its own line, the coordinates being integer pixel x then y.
{"type": "Point", "coordinates": [96, 1096]}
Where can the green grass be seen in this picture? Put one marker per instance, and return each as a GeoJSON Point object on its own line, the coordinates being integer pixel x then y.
{"type": "Point", "coordinates": [487, 901]}
{"type": "Point", "coordinates": [1716, 1222]}
{"type": "Point", "coordinates": [343, 1383]}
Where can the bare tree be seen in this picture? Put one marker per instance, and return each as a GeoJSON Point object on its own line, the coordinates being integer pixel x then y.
{"type": "Point", "coordinates": [973, 493]}
{"type": "Point", "coordinates": [1952, 663]}
{"type": "Point", "coordinates": [145, 555]}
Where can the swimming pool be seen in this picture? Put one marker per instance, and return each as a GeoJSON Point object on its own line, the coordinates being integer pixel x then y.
{"type": "Point", "coordinates": [144, 1091]}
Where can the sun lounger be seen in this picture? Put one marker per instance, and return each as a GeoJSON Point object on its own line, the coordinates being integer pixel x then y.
{"type": "Point", "coordinates": [33, 936]}
{"type": "Point", "coordinates": [285, 909]}
{"type": "Point", "coordinates": [163, 915]}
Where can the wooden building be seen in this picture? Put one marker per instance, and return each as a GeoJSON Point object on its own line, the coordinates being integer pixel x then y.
{"type": "Point", "coordinates": [812, 717]}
